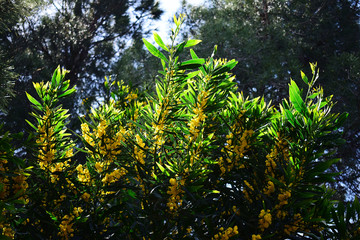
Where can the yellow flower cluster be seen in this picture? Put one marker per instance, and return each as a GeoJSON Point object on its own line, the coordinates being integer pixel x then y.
{"type": "Point", "coordinates": [298, 222]}
{"type": "Point", "coordinates": [114, 176]}
{"type": "Point", "coordinates": [85, 197]}
{"type": "Point", "coordinates": [138, 150]}
{"type": "Point", "coordinates": [99, 131]}
{"type": "Point", "coordinates": [111, 146]}
{"type": "Point", "coordinates": [131, 96]}
{"type": "Point", "coordinates": [270, 163]}
{"type": "Point", "coordinates": [175, 193]}
{"type": "Point", "coordinates": [20, 185]}
{"type": "Point", "coordinates": [86, 134]}
{"type": "Point", "coordinates": [4, 192]}
{"type": "Point", "coordinates": [162, 111]}
{"type": "Point", "coordinates": [283, 200]}
{"type": "Point", "coordinates": [283, 197]}
{"type": "Point", "coordinates": [108, 146]}
{"type": "Point", "coordinates": [246, 190]}
{"type": "Point", "coordinates": [83, 174]}
{"type": "Point", "coordinates": [199, 115]}
{"type": "Point", "coordinates": [235, 148]}
{"type": "Point", "coordinates": [280, 150]}
{"type": "Point", "coordinates": [7, 230]}
{"type": "Point", "coordinates": [58, 167]}
{"type": "Point", "coordinates": [226, 234]}
{"type": "Point", "coordinates": [47, 142]}
{"type": "Point", "coordinates": [269, 189]}
{"type": "Point", "coordinates": [66, 230]}
{"type": "Point", "coordinates": [256, 237]}
{"type": "Point", "coordinates": [264, 219]}
{"type": "Point", "coordinates": [77, 211]}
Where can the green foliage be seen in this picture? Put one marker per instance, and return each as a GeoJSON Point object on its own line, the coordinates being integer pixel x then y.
{"type": "Point", "coordinates": [13, 185]}
{"type": "Point", "coordinates": [195, 159]}
{"type": "Point", "coordinates": [275, 38]}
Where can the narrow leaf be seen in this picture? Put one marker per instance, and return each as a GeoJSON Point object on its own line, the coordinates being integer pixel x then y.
{"type": "Point", "coordinates": [160, 42]}
{"type": "Point", "coordinates": [191, 64]}
{"type": "Point", "coordinates": [295, 98]}
{"type": "Point", "coordinates": [304, 77]}
{"type": "Point", "coordinates": [193, 54]}
{"type": "Point", "coordinates": [179, 49]}
{"type": "Point", "coordinates": [33, 101]}
{"type": "Point", "coordinates": [68, 92]}
{"type": "Point", "coordinates": [225, 68]}
{"type": "Point", "coordinates": [31, 124]}
{"type": "Point", "coordinates": [192, 42]}
{"type": "Point", "coordinates": [154, 51]}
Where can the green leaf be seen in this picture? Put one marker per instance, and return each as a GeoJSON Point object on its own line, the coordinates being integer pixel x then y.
{"type": "Point", "coordinates": [65, 85]}
{"type": "Point", "coordinates": [31, 125]}
{"type": "Point", "coordinates": [313, 66]}
{"type": "Point", "coordinates": [162, 169]}
{"type": "Point", "coordinates": [314, 95]}
{"type": "Point", "coordinates": [160, 42]}
{"type": "Point", "coordinates": [193, 54]}
{"type": "Point", "coordinates": [192, 74]}
{"type": "Point", "coordinates": [68, 92]}
{"type": "Point", "coordinates": [192, 42]}
{"type": "Point", "coordinates": [59, 76]}
{"type": "Point", "coordinates": [225, 68]}
{"type": "Point", "coordinates": [54, 77]}
{"type": "Point", "coordinates": [304, 77]}
{"type": "Point", "coordinates": [191, 64]}
{"type": "Point", "coordinates": [179, 48]}
{"type": "Point", "coordinates": [295, 98]}
{"type": "Point", "coordinates": [290, 117]}
{"type": "Point", "coordinates": [131, 193]}
{"type": "Point", "coordinates": [341, 119]}
{"type": "Point", "coordinates": [154, 51]}
{"type": "Point", "coordinates": [176, 21]}
{"type": "Point", "coordinates": [34, 101]}
{"type": "Point", "coordinates": [52, 216]}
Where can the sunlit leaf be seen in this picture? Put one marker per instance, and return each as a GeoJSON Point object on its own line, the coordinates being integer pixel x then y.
{"type": "Point", "coordinates": [304, 77]}
{"type": "Point", "coordinates": [160, 42]}
{"type": "Point", "coordinates": [34, 101]}
{"type": "Point", "coordinates": [295, 98]}
{"type": "Point", "coordinates": [154, 51]}
{"type": "Point", "coordinates": [192, 42]}
{"type": "Point", "coordinates": [68, 92]}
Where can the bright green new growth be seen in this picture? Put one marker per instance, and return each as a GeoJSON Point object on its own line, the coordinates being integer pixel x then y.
{"type": "Point", "coordinates": [194, 160]}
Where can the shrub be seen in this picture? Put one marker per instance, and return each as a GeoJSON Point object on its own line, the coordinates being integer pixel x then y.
{"type": "Point", "coordinates": [195, 160]}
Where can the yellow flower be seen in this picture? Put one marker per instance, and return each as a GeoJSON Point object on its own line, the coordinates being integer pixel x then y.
{"type": "Point", "coordinates": [139, 153]}
{"type": "Point", "coordinates": [99, 166]}
{"type": "Point", "coordinates": [283, 197]}
{"type": "Point", "coordinates": [77, 211]}
{"type": "Point", "coordinates": [264, 219]}
{"type": "Point", "coordinates": [65, 226]}
{"type": "Point", "coordinates": [100, 131]}
{"type": "Point", "coordinates": [175, 193]}
{"type": "Point", "coordinates": [256, 237]}
{"type": "Point", "coordinates": [7, 230]}
{"type": "Point", "coordinates": [85, 197]}
{"type": "Point", "coordinates": [226, 234]}
{"type": "Point", "coordinates": [270, 188]}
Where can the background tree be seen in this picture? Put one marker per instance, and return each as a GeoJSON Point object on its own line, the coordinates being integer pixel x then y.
{"type": "Point", "coordinates": [11, 13]}
{"type": "Point", "coordinates": [273, 39]}
{"type": "Point", "coordinates": [136, 66]}
{"type": "Point", "coordinates": [83, 36]}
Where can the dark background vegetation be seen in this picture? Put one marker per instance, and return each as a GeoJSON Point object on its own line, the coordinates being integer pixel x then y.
{"type": "Point", "coordinates": [272, 40]}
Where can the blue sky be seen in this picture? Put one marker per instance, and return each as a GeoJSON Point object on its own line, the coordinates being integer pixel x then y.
{"type": "Point", "coordinates": [170, 7]}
